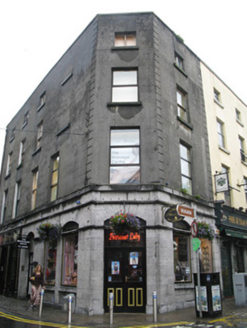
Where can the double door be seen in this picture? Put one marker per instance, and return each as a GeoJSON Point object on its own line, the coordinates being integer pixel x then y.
{"type": "Point", "coordinates": [125, 277]}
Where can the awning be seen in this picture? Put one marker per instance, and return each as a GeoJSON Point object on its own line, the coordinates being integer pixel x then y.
{"type": "Point", "coordinates": [236, 234]}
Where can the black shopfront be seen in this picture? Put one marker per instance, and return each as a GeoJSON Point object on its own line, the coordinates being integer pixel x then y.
{"type": "Point", "coordinates": [232, 225]}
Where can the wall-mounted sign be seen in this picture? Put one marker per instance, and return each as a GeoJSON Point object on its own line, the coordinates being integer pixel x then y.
{"type": "Point", "coordinates": [171, 214]}
{"type": "Point", "coordinates": [22, 242]}
{"type": "Point", "coordinates": [221, 182]}
{"type": "Point", "coordinates": [193, 229]}
{"type": "Point", "coordinates": [131, 236]}
{"type": "Point", "coordinates": [185, 211]}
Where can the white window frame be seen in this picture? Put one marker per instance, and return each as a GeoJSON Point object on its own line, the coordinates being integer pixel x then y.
{"type": "Point", "coordinates": [9, 163]}
{"type": "Point", "coordinates": [16, 202]}
{"type": "Point", "coordinates": [126, 41]}
{"type": "Point", "coordinates": [179, 61]}
{"type": "Point", "coordinates": [54, 173]}
{"type": "Point", "coordinates": [127, 91]}
{"type": "Point", "coordinates": [221, 134]}
{"type": "Point", "coordinates": [34, 188]}
{"type": "Point", "coordinates": [182, 104]}
{"type": "Point", "coordinates": [187, 161]}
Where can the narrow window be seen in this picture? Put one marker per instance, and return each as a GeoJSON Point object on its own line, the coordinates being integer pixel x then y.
{"type": "Point", "coordinates": [242, 149]}
{"type": "Point", "coordinates": [245, 188]}
{"type": "Point", "coordinates": [42, 100]}
{"type": "Point", "coordinates": [9, 164]}
{"type": "Point", "coordinates": [124, 88]}
{"type": "Point", "coordinates": [185, 163]}
{"type": "Point", "coordinates": [182, 104]}
{"type": "Point", "coordinates": [39, 135]}
{"type": "Point", "coordinates": [125, 156]}
{"type": "Point", "coordinates": [54, 178]}
{"type": "Point", "coordinates": [125, 39]}
{"type": "Point", "coordinates": [181, 248]}
{"type": "Point", "coordinates": [220, 130]}
{"type": "Point", "coordinates": [21, 152]}
{"type": "Point", "coordinates": [12, 137]}
{"type": "Point", "coordinates": [238, 115]}
{"type": "Point", "coordinates": [34, 188]}
{"type": "Point", "coordinates": [16, 203]}
{"type": "Point", "coordinates": [25, 119]}
{"type": "Point", "coordinates": [217, 96]}
{"type": "Point", "coordinates": [179, 61]}
{"type": "Point", "coordinates": [4, 206]}
{"type": "Point", "coordinates": [50, 264]}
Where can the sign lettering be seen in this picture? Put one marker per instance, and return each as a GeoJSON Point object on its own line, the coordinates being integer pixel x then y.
{"type": "Point", "coordinates": [132, 236]}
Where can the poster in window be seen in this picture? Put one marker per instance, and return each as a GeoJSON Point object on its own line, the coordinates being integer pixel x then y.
{"type": "Point", "coordinates": [115, 267]}
{"type": "Point", "coordinates": [133, 258]}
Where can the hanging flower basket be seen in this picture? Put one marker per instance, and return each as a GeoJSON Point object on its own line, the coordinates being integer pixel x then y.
{"type": "Point", "coordinates": [50, 232]}
{"type": "Point", "coordinates": [124, 223]}
{"type": "Point", "coordinates": [205, 230]}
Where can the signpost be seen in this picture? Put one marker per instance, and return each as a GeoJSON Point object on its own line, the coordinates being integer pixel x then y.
{"type": "Point", "coordinates": [193, 229]}
{"type": "Point", "coordinates": [196, 243]}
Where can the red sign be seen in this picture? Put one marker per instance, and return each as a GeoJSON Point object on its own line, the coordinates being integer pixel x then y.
{"type": "Point", "coordinates": [185, 211]}
{"type": "Point", "coordinates": [132, 236]}
{"type": "Point", "coordinates": [193, 229]}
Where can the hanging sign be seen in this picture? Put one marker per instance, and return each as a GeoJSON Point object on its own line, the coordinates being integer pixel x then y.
{"type": "Point", "coordinates": [171, 214]}
{"type": "Point", "coordinates": [221, 182]}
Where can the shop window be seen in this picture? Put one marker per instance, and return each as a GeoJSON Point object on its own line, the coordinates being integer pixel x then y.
{"type": "Point", "coordinates": [206, 256]}
{"type": "Point", "coordinates": [182, 270]}
{"type": "Point", "coordinates": [70, 254]}
{"type": "Point", "coordinates": [124, 86]}
{"type": "Point", "coordinates": [50, 264]}
{"type": "Point", "coordinates": [125, 156]}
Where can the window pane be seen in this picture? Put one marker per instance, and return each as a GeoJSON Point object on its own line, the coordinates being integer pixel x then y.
{"type": "Point", "coordinates": [125, 78]}
{"type": "Point", "coordinates": [54, 178]}
{"type": "Point", "coordinates": [124, 137]}
{"type": "Point", "coordinates": [125, 155]}
{"type": "Point", "coordinates": [130, 40]}
{"type": "Point", "coordinates": [186, 184]}
{"type": "Point", "coordinates": [70, 260]}
{"type": "Point", "coordinates": [53, 193]}
{"type": "Point", "coordinates": [185, 168]}
{"type": "Point", "coordinates": [125, 174]}
{"type": "Point", "coordinates": [119, 40]}
{"type": "Point", "coordinates": [56, 163]}
{"type": "Point", "coordinates": [184, 152]}
{"type": "Point", "coordinates": [181, 258]}
{"type": "Point", "coordinates": [50, 265]}
{"type": "Point", "coordinates": [124, 94]}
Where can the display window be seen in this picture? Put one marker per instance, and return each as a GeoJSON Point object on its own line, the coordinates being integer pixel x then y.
{"type": "Point", "coordinates": [182, 267]}
{"type": "Point", "coordinates": [70, 253]}
{"type": "Point", "coordinates": [206, 263]}
{"type": "Point", "coordinates": [50, 264]}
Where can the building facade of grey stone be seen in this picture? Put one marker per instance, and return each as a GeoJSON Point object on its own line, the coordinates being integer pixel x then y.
{"type": "Point", "coordinates": [117, 125]}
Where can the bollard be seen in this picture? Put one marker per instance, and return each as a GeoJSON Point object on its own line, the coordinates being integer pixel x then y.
{"type": "Point", "coordinates": [111, 307]}
{"type": "Point", "coordinates": [41, 301]}
{"type": "Point", "coordinates": [155, 306]}
{"type": "Point", "coordinates": [69, 309]}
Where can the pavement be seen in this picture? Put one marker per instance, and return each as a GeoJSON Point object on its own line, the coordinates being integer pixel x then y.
{"type": "Point", "coordinates": [231, 316]}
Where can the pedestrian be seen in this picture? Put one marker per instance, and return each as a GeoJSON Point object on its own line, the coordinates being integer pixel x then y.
{"type": "Point", "coordinates": [37, 281]}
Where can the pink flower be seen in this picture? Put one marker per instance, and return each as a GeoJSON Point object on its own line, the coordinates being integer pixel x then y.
{"type": "Point", "coordinates": [122, 220]}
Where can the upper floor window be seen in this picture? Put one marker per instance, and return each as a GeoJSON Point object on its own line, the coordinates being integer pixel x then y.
{"type": "Point", "coordinates": [217, 97]}
{"type": "Point", "coordinates": [42, 100]}
{"type": "Point", "coordinates": [12, 137]}
{"type": "Point", "coordinates": [125, 39]}
{"type": "Point", "coordinates": [179, 61]}
{"type": "Point", "coordinates": [238, 115]}
{"type": "Point", "coordinates": [220, 130]}
{"type": "Point", "coordinates": [124, 86]}
{"type": "Point", "coordinates": [9, 164]}
{"type": "Point", "coordinates": [245, 187]}
{"type": "Point", "coordinates": [125, 156]}
{"type": "Point", "coordinates": [34, 188]}
{"type": "Point", "coordinates": [227, 195]}
{"type": "Point", "coordinates": [16, 203]}
{"type": "Point", "coordinates": [242, 148]}
{"type": "Point", "coordinates": [21, 152]}
{"type": "Point", "coordinates": [4, 206]}
{"type": "Point", "coordinates": [182, 104]}
{"type": "Point", "coordinates": [185, 163]}
{"type": "Point", "coordinates": [25, 119]}
{"type": "Point", "coordinates": [54, 177]}
{"type": "Point", "coordinates": [39, 135]}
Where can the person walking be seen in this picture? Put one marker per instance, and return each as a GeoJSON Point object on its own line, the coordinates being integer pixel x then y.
{"type": "Point", "coordinates": [37, 281]}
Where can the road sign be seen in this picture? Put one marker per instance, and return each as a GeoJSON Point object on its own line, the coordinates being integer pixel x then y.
{"type": "Point", "coordinates": [193, 229]}
{"type": "Point", "coordinates": [196, 243]}
{"type": "Point", "coordinates": [185, 211]}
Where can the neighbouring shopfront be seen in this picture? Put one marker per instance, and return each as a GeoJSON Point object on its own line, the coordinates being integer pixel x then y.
{"type": "Point", "coordinates": [232, 224]}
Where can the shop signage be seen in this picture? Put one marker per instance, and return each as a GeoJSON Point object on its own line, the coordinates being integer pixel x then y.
{"type": "Point", "coordinates": [185, 211]}
{"type": "Point", "coordinates": [23, 243]}
{"type": "Point", "coordinates": [171, 214]}
{"type": "Point", "coordinates": [177, 213]}
{"type": "Point", "coordinates": [131, 236]}
{"type": "Point", "coordinates": [233, 220]}
{"type": "Point", "coordinates": [221, 182]}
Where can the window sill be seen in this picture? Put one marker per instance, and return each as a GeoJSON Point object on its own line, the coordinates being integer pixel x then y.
{"type": "Point", "coordinates": [125, 48]}
{"type": "Point", "coordinates": [41, 106]}
{"type": "Point", "coordinates": [66, 79]}
{"type": "Point", "coordinates": [24, 124]}
{"type": "Point", "coordinates": [180, 70]}
{"type": "Point", "coordinates": [185, 123]}
{"type": "Point", "coordinates": [121, 104]}
{"type": "Point", "coordinates": [63, 130]}
{"type": "Point", "coordinates": [243, 162]}
{"type": "Point", "coordinates": [11, 139]}
{"type": "Point", "coordinates": [224, 150]}
{"type": "Point", "coordinates": [239, 122]}
{"type": "Point", "coordinates": [7, 176]}
{"type": "Point", "coordinates": [36, 151]}
{"type": "Point", "coordinates": [19, 166]}
{"type": "Point", "coordinates": [218, 103]}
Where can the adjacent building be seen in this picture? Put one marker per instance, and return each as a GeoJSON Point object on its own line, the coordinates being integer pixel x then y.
{"type": "Point", "coordinates": [226, 121]}
{"type": "Point", "coordinates": [117, 125]}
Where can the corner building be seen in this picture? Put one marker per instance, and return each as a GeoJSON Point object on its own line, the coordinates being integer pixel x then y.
{"type": "Point", "coordinates": [117, 125]}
